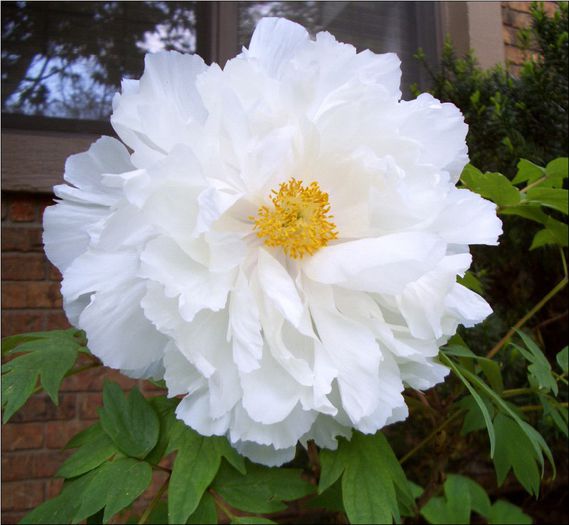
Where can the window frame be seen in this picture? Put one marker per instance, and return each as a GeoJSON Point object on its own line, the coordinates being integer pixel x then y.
{"type": "Point", "coordinates": [34, 151]}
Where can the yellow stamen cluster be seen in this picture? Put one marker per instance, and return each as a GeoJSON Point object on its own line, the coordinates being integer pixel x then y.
{"type": "Point", "coordinates": [300, 220]}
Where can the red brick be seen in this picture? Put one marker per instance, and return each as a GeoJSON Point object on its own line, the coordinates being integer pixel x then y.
{"type": "Point", "coordinates": [22, 239]}
{"type": "Point", "coordinates": [18, 267]}
{"type": "Point", "coordinates": [17, 322]}
{"type": "Point", "coordinates": [56, 321]}
{"type": "Point", "coordinates": [22, 210]}
{"type": "Point", "coordinates": [41, 408]}
{"type": "Point", "coordinates": [13, 295]}
{"type": "Point", "coordinates": [22, 436]}
{"type": "Point", "coordinates": [517, 19]}
{"type": "Point", "coordinates": [46, 464]}
{"type": "Point", "coordinates": [32, 465]}
{"type": "Point", "coordinates": [53, 273]}
{"type": "Point", "coordinates": [17, 467]}
{"type": "Point", "coordinates": [53, 487]}
{"type": "Point", "coordinates": [88, 403]}
{"type": "Point", "coordinates": [31, 295]}
{"type": "Point", "coordinates": [58, 433]}
{"type": "Point", "coordinates": [11, 518]}
{"type": "Point", "coordinates": [44, 295]}
{"type": "Point", "coordinates": [22, 495]}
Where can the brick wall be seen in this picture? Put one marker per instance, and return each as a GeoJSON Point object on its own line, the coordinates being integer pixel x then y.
{"type": "Point", "coordinates": [32, 441]}
{"type": "Point", "coordinates": [516, 16]}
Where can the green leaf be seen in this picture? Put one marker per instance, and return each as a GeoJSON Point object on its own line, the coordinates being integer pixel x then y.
{"type": "Point", "coordinates": [92, 452]}
{"type": "Point", "coordinates": [504, 513]}
{"type": "Point", "coordinates": [532, 212]}
{"type": "Point", "coordinates": [474, 419]}
{"type": "Point", "coordinates": [477, 398]}
{"type": "Point", "coordinates": [549, 197]}
{"type": "Point", "coordinates": [165, 410]}
{"type": "Point", "coordinates": [539, 445]}
{"type": "Point", "coordinates": [462, 496]}
{"type": "Point", "coordinates": [262, 490]}
{"type": "Point", "coordinates": [131, 423]}
{"type": "Point", "coordinates": [63, 507]}
{"type": "Point", "coordinates": [371, 481]}
{"type": "Point", "coordinates": [46, 355]}
{"type": "Point", "coordinates": [470, 281]}
{"type": "Point", "coordinates": [114, 487]}
{"type": "Point", "coordinates": [528, 172]}
{"type": "Point", "coordinates": [557, 171]}
{"type": "Point", "coordinates": [205, 513]}
{"type": "Point", "coordinates": [540, 368]}
{"type": "Point", "coordinates": [515, 451]}
{"type": "Point", "coordinates": [562, 359]}
{"type": "Point", "coordinates": [197, 461]}
{"type": "Point", "coordinates": [493, 186]}
{"type": "Point", "coordinates": [330, 499]}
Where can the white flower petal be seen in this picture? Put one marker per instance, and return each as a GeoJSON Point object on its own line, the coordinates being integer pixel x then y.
{"type": "Point", "coordinates": [384, 264]}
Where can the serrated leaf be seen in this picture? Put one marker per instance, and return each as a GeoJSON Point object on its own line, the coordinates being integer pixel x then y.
{"type": "Point", "coordinates": [493, 186]}
{"type": "Point", "coordinates": [371, 481]}
{"type": "Point", "coordinates": [114, 487]}
{"type": "Point", "coordinates": [554, 198]}
{"type": "Point", "coordinates": [556, 171]}
{"type": "Point", "coordinates": [515, 451]}
{"type": "Point", "coordinates": [462, 496]}
{"type": "Point", "coordinates": [480, 403]}
{"type": "Point", "coordinates": [540, 368]}
{"type": "Point", "coordinates": [262, 490]}
{"type": "Point", "coordinates": [92, 452]}
{"type": "Point", "coordinates": [205, 513]}
{"type": "Point", "coordinates": [131, 422]}
{"type": "Point", "coordinates": [63, 507]}
{"type": "Point", "coordinates": [46, 356]}
{"type": "Point", "coordinates": [528, 172]}
{"type": "Point", "coordinates": [504, 513]}
{"type": "Point", "coordinates": [539, 445]}
{"type": "Point", "coordinates": [562, 359]}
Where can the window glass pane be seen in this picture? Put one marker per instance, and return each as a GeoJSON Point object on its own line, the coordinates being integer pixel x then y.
{"type": "Point", "coordinates": [379, 26]}
{"type": "Point", "coordinates": [66, 59]}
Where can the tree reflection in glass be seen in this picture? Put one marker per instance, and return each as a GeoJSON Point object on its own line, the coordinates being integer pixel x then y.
{"type": "Point", "coordinates": [66, 59]}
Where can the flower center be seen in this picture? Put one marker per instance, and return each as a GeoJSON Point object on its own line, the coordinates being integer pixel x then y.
{"type": "Point", "coordinates": [299, 221]}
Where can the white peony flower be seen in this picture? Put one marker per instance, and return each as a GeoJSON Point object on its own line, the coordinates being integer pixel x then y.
{"type": "Point", "coordinates": [281, 245]}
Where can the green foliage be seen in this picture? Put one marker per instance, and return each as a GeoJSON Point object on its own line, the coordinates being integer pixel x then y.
{"type": "Point", "coordinates": [262, 490]}
{"type": "Point", "coordinates": [131, 423]}
{"type": "Point", "coordinates": [47, 356]}
{"type": "Point", "coordinates": [197, 462]}
{"type": "Point", "coordinates": [508, 115]}
{"type": "Point", "coordinates": [372, 479]}
{"type": "Point", "coordinates": [462, 496]}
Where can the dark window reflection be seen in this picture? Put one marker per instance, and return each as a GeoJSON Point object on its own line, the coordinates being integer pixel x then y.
{"type": "Point", "coordinates": [399, 27]}
{"type": "Point", "coordinates": [66, 59]}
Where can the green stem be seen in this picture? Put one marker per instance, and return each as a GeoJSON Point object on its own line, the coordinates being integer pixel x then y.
{"type": "Point", "coordinates": [563, 261]}
{"type": "Point", "coordinates": [154, 502]}
{"type": "Point", "coordinates": [534, 184]}
{"type": "Point", "coordinates": [558, 287]}
{"type": "Point", "coordinates": [517, 392]}
{"type": "Point", "coordinates": [442, 426]}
